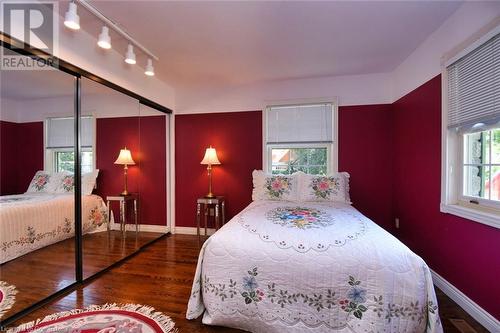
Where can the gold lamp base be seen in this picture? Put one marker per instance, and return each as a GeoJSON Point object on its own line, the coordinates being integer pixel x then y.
{"type": "Point", "coordinates": [209, 194]}
{"type": "Point", "coordinates": [125, 190]}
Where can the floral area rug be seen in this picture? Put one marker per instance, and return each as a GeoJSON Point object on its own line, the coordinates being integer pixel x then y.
{"type": "Point", "coordinates": [7, 297]}
{"type": "Point", "coordinates": [107, 318]}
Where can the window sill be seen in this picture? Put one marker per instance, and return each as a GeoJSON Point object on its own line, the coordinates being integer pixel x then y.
{"type": "Point", "coordinates": [477, 215]}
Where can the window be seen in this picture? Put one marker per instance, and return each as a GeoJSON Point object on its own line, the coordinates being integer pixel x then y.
{"type": "Point", "coordinates": [289, 160]}
{"type": "Point", "coordinates": [65, 161]}
{"type": "Point", "coordinates": [482, 165]}
{"type": "Point", "coordinates": [59, 149]}
{"type": "Point", "coordinates": [301, 138]}
{"type": "Point", "coordinates": [471, 132]}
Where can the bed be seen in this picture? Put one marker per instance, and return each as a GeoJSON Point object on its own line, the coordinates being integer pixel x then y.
{"type": "Point", "coordinates": [31, 221]}
{"type": "Point", "coordinates": [295, 266]}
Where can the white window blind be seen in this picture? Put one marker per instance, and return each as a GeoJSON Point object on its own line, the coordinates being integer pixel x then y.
{"type": "Point", "coordinates": [474, 86]}
{"type": "Point", "coordinates": [300, 123]}
{"type": "Point", "coordinates": [60, 132]}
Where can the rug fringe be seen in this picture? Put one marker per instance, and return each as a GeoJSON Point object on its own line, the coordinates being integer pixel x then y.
{"type": "Point", "coordinates": [9, 297]}
{"type": "Point", "coordinates": [164, 321]}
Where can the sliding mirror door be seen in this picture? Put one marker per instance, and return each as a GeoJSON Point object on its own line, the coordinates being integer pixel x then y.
{"type": "Point", "coordinates": [37, 202]}
{"type": "Point", "coordinates": [116, 201]}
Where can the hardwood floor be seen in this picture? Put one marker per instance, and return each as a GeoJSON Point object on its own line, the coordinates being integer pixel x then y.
{"type": "Point", "coordinates": [161, 275]}
{"type": "Point", "coordinates": [43, 272]}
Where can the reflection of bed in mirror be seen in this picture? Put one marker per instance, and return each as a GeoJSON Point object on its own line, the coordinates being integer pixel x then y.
{"type": "Point", "coordinates": [44, 215]}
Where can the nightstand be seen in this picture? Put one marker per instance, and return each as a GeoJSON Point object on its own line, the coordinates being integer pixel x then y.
{"type": "Point", "coordinates": [123, 200]}
{"type": "Point", "coordinates": [219, 205]}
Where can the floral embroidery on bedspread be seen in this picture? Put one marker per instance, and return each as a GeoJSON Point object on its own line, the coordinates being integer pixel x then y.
{"type": "Point", "coordinates": [97, 217]}
{"type": "Point", "coordinates": [354, 301]}
{"type": "Point", "coordinates": [299, 217]}
{"type": "Point", "coordinates": [291, 226]}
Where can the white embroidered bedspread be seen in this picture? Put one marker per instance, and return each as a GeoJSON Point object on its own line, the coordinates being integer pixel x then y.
{"type": "Point", "coordinates": [315, 267]}
{"type": "Point", "coordinates": [31, 221]}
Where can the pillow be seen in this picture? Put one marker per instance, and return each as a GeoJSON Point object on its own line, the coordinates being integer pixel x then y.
{"type": "Point", "coordinates": [67, 184]}
{"type": "Point", "coordinates": [274, 187]}
{"type": "Point", "coordinates": [325, 188]}
{"type": "Point", "coordinates": [42, 182]}
{"type": "Point", "coordinates": [88, 182]}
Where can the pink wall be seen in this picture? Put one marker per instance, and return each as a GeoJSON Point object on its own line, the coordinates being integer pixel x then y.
{"type": "Point", "coordinates": [237, 136]}
{"type": "Point", "coordinates": [365, 151]}
{"type": "Point", "coordinates": [21, 155]}
{"type": "Point", "coordinates": [464, 252]}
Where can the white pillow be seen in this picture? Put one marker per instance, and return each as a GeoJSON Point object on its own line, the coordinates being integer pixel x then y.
{"type": "Point", "coordinates": [88, 182]}
{"type": "Point", "coordinates": [44, 182]}
{"type": "Point", "coordinates": [325, 188]}
{"type": "Point", "coordinates": [274, 187]}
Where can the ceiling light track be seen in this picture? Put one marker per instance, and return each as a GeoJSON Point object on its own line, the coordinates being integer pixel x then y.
{"type": "Point", "coordinates": [72, 21]}
{"type": "Point", "coordinates": [109, 23]}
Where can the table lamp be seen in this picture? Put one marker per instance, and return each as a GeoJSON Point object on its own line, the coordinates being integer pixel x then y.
{"type": "Point", "coordinates": [209, 160]}
{"type": "Point", "coordinates": [125, 159]}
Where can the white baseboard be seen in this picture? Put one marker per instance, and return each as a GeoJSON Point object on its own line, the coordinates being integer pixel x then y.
{"type": "Point", "coordinates": [469, 306]}
{"type": "Point", "coordinates": [143, 227]}
{"type": "Point", "coordinates": [192, 230]}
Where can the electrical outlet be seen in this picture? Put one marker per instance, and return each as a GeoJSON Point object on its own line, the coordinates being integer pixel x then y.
{"type": "Point", "coordinates": [396, 222]}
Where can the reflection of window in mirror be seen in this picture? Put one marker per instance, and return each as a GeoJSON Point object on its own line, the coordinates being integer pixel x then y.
{"type": "Point", "coordinates": [59, 144]}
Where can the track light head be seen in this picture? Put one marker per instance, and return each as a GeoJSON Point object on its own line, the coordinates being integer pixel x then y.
{"type": "Point", "coordinates": [130, 55]}
{"type": "Point", "coordinates": [149, 68]}
{"type": "Point", "coordinates": [71, 19]}
{"type": "Point", "coordinates": [104, 39]}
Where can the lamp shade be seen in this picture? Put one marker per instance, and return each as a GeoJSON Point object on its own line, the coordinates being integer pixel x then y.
{"type": "Point", "coordinates": [125, 157]}
{"type": "Point", "coordinates": [210, 157]}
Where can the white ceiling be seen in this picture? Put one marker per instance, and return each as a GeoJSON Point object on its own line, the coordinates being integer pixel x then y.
{"type": "Point", "coordinates": [207, 44]}
{"type": "Point", "coordinates": [219, 43]}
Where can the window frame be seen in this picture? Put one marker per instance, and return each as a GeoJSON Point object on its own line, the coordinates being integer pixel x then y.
{"type": "Point", "coordinates": [54, 152]}
{"type": "Point", "coordinates": [453, 200]}
{"type": "Point", "coordinates": [468, 199]}
{"type": "Point", "coordinates": [50, 154]}
{"type": "Point", "coordinates": [332, 147]}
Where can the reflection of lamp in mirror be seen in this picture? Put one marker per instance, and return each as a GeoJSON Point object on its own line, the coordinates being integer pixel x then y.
{"type": "Point", "coordinates": [125, 159]}
{"type": "Point", "coordinates": [209, 160]}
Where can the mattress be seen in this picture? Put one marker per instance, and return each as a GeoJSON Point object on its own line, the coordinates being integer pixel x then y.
{"type": "Point", "coordinates": [311, 267]}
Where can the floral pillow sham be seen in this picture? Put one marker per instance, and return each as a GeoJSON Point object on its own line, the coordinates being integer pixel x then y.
{"type": "Point", "coordinates": [274, 187]}
{"type": "Point", "coordinates": [325, 188]}
{"type": "Point", "coordinates": [67, 184]}
{"type": "Point", "coordinates": [42, 182]}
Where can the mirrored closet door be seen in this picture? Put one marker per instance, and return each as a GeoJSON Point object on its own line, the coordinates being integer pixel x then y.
{"type": "Point", "coordinates": [37, 200]}
{"type": "Point", "coordinates": [75, 150]}
{"type": "Point", "coordinates": [124, 181]}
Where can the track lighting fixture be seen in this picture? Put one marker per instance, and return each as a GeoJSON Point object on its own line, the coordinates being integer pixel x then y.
{"type": "Point", "coordinates": [130, 55]}
{"type": "Point", "coordinates": [71, 19]}
{"type": "Point", "coordinates": [149, 68]}
{"type": "Point", "coordinates": [104, 39]}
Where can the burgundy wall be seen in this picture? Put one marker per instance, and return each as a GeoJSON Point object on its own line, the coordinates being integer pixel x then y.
{"type": "Point", "coordinates": [145, 137]}
{"type": "Point", "coordinates": [365, 152]}
{"type": "Point", "coordinates": [8, 158]}
{"type": "Point", "coordinates": [464, 252]}
{"type": "Point", "coordinates": [21, 155]}
{"type": "Point", "coordinates": [237, 136]}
